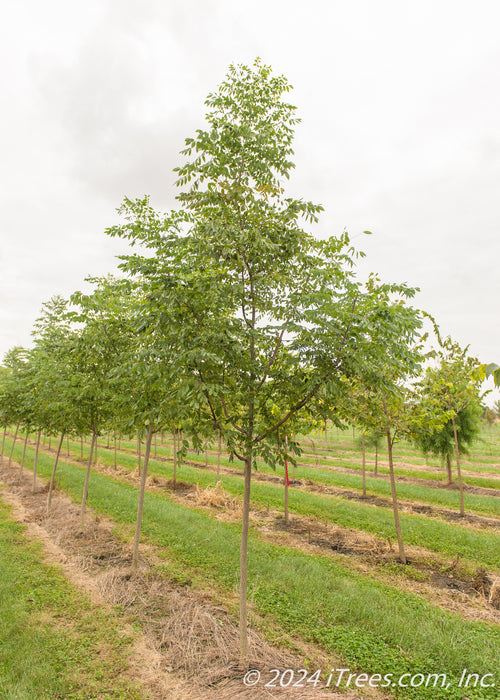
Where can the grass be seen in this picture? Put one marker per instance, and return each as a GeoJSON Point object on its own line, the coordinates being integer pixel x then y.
{"type": "Point", "coordinates": [435, 535]}
{"type": "Point", "coordinates": [375, 627]}
{"type": "Point", "coordinates": [53, 642]}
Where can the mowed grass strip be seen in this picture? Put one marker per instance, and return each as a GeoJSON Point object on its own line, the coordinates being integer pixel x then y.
{"type": "Point", "coordinates": [329, 470]}
{"type": "Point", "coordinates": [376, 628]}
{"type": "Point", "coordinates": [478, 546]}
{"type": "Point", "coordinates": [53, 642]}
{"type": "Point", "coordinates": [487, 505]}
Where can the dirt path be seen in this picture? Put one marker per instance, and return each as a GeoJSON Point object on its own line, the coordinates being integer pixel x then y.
{"type": "Point", "coordinates": [186, 649]}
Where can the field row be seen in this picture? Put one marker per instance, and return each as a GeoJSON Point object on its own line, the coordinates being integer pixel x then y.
{"type": "Point", "coordinates": [367, 622]}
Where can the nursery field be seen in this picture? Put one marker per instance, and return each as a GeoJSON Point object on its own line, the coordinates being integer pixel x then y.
{"type": "Point", "coordinates": [326, 589]}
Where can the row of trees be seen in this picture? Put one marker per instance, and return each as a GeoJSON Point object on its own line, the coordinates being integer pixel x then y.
{"type": "Point", "coordinates": [233, 322]}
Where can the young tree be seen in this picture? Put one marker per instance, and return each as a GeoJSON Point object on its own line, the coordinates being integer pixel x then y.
{"type": "Point", "coordinates": [55, 344]}
{"type": "Point", "coordinates": [14, 391]}
{"type": "Point", "coordinates": [454, 386]}
{"type": "Point", "coordinates": [265, 316]}
{"type": "Point", "coordinates": [441, 442]}
{"type": "Point", "coordinates": [102, 340]}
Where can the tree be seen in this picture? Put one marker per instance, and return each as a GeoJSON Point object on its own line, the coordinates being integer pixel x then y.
{"type": "Point", "coordinates": [266, 317]}
{"type": "Point", "coordinates": [441, 442]}
{"type": "Point", "coordinates": [385, 405]}
{"type": "Point", "coordinates": [55, 345]}
{"type": "Point", "coordinates": [453, 385]}
{"type": "Point", "coordinates": [14, 391]}
{"type": "Point", "coordinates": [101, 341]}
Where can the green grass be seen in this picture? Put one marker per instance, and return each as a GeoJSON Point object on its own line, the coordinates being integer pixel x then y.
{"type": "Point", "coordinates": [435, 535]}
{"type": "Point", "coordinates": [334, 460]}
{"type": "Point", "coordinates": [374, 627]}
{"type": "Point", "coordinates": [53, 642]}
{"type": "Point", "coordinates": [450, 539]}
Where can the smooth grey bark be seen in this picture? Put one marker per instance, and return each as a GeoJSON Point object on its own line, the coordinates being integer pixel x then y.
{"type": "Point", "coordinates": [219, 449]}
{"type": "Point", "coordinates": [140, 505]}
{"type": "Point", "coordinates": [13, 444]}
{"type": "Point", "coordinates": [286, 497]}
{"type": "Point", "coordinates": [244, 564]}
{"type": "Point", "coordinates": [35, 464]}
{"type": "Point", "coordinates": [174, 435]}
{"type": "Point", "coordinates": [364, 463]}
{"type": "Point", "coordinates": [402, 555]}
{"type": "Point", "coordinates": [448, 470]}
{"type": "Point", "coordinates": [139, 453]}
{"type": "Point", "coordinates": [86, 483]}
{"type": "Point", "coordinates": [53, 475]}
{"type": "Point", "coordinates": [459, 471]}
{"type": "Point", "coordinates": [3, 439]}
{"type": "Point", "coordinates": [24, 453]}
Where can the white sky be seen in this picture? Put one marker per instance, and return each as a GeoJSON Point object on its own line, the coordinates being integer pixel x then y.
{"type": "Point", "coordinates": [400, 134]}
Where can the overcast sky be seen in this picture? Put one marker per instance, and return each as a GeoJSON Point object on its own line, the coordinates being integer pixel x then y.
{"type": "Point", "coordinates": [400, 134]}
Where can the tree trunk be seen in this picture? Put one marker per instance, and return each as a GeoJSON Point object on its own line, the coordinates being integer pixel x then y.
{"type": "Point", "coordinates": [3, 440]}
{"type": "Point", "coordinates": [81, 448]}
{"type": "Point", "coordinates": [401, 548]}
{"type": "Point", "coordinates": [326, 435]}
{"type": "Point", "coordinates": [364, 463]}
{"type": "Point", "coordinates": [218, 456]}
{"type": "Point", "coordinates": [156, 445]}
{"type": "Point", "coordinates": [116, 459]}
{"type": "Point", "coordinates": [86, 484]}
{"type": "Point", "coordinates": [448, 470]}
{"type": "Point", "coordinates": [53, 476]}
{"type": "Point", "coordinates": [244, 564]}
{"type": "Point", "coordinates": [24, 454]}
{"type": "Point", "coordinates": [375, 470]}
{"type": "Point", "coordinates": [135, 556]}
{"type": "Point", "coordinates": [459, 472]}
{"type": "Point", "coordinates": [174, 435]}
{"type": "Point", "coordinates": [287, 482]}
{"type": "Point", "coordinates": [13, 444]}
{"type": "Point", "coordinates": [35, 464]}
{"type": "Point", "coordinates": [139, 453]}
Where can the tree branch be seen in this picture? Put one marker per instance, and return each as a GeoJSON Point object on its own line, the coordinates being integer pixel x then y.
{"type": "Point", "coordinates": [271, 361]}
